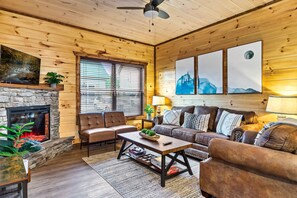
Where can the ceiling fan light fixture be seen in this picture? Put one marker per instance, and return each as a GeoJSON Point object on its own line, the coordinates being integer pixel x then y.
{"type": "Point", "coordinates": [151, 13]}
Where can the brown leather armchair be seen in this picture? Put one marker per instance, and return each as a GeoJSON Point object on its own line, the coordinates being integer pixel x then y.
{"type": "Point", "coordinates": [93, 130]}
{"type": "Point", "coordinates": [240, 170]}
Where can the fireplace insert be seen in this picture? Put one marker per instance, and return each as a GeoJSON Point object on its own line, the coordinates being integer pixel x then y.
{"type": "Point", "coordinates": [40, 115]}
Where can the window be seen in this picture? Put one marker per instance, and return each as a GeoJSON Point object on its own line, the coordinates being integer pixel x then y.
{"type": "Point", "coordinates": [106, 86]}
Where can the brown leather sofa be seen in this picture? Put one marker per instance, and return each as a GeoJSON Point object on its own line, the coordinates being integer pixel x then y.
{"type": "Point", "coordinates": [240, 170]}
{"type": "Point", "coordinates": [117, 122]}
{"type": "Point", "coordinates": [201, 139]}
{"type": "Point", "coordinates": [102, 127]}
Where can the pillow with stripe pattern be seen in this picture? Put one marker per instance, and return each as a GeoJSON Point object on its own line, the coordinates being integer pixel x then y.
{"type": "Point", "coordinates": [198, 122]}
{"type": "Point", "coordinates": [228, 122]}
{"type": "Point", "coordinates": [171, 117]}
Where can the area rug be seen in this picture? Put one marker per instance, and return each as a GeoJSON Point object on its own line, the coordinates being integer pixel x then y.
{"type": "Point", "coordinates": [132, 180]}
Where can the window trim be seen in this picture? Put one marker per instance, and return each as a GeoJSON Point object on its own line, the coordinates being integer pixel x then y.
{"type": "Point", "coordinates": [99, 57]}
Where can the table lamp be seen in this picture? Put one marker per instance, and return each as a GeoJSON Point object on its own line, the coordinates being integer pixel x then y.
{"type": "Point", "coordinates": [158, 101]}
{"type": "Point", "coordinates": [282, 105]}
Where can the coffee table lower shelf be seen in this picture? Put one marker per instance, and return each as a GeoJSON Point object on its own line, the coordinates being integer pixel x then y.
{"type": "Point", "coordinates": [164, 168]}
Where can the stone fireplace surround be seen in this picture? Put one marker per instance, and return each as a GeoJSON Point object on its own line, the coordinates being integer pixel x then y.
{"type": "Point", "coordinates": [17, 97]}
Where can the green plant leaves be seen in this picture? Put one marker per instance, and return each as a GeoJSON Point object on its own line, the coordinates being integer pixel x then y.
{"type": "Point", "coordinates": [53, 78]}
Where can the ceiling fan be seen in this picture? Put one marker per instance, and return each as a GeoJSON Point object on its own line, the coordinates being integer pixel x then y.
{"type": "Point", "coordinates": [150, 10]}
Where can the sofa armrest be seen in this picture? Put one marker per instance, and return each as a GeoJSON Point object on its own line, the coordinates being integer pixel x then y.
{"type": "Point", "coordinates": [237, 133]}
{"type": "Point", "coordinates": [158, 120]}
{"type": "Point", "coordinates": [275, 163]}
{"type": "Point", "coordinates": [249, 137]}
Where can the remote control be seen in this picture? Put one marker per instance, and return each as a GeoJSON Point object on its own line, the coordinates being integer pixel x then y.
{"type": "Point", "coordinates": [166, 143]}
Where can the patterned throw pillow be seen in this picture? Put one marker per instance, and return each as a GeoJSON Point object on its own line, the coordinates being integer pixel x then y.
{"type": "Point", "coordinates": [198, 122]}
{"type": "Point", "coordinates": [228, 122]}
{"type": "Point", "coordinates": [171, 117]}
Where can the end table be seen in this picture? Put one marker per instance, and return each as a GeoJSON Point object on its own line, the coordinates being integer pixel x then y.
{"type": "Point", "coordinates": [146, 120]}
{"type": "Point", "coordinates": [12, 171]}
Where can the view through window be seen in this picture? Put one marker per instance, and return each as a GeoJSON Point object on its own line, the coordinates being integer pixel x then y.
{"type": "Point", "coordinates": [107, 86]}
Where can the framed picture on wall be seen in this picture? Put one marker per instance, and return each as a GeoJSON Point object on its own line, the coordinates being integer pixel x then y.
{"type": "Point", "coordinates": [244, 66]}
{"type": "Point", "coordinates": [184, 76]}
{"type": "Point", "coordinates": [210, 73]}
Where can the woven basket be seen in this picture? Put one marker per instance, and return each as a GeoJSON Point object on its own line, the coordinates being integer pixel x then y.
{"type": "Point", "coordinates": [152, 138]}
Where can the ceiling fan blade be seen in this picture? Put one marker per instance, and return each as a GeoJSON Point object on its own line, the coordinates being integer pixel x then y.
{"type": "Point", "coordinates": [163, 14]}
{"type": "Point", "coordinates": [130, 8]}
{"type": "Point", "coordinates": [155, 3]}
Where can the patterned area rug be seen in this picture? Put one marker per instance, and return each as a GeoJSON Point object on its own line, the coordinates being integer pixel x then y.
{"type": "Point", "coordinates": [132, 180]}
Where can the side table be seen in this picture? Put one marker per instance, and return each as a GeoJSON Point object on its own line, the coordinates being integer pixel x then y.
{"type": "Point", "coordinates": [146, 120]}
{"type": "Point", "coordinates": [12, 171]}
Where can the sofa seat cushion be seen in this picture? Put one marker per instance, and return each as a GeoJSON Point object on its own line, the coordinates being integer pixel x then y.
{"type": "Point", "coordinates": [123, 128]}
{"type": "Point", "coordinates": [204, 138]}
{"type": "Point", "coordinates": [165, 129]}
{"type": "Point", "coordinates": [98, 134]}
{"type": "Point", "coordinates": [185, 134]}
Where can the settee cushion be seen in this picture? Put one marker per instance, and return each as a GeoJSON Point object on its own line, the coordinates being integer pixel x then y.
{"type": "Point", "coordinates": [188, 109]}
{"type": "Point", "coordinates": [282, 137]}
{"type": "Point", "coordinates": [98, 134]}
{"type": "Point", "coordinates": [123, 128]}
{"type": "Point", "coordinates": [185, 134]}
{"type": "Point", "coordinates": [204, 138]}
{"type": "Point", "coordinates": [165, 129]}
{"type": "Point", "coordinates": [249, 117]}
{"type": "Point", "coordinates": [212, 110]}
{"type": "Point", "coordinates": [114, 118]}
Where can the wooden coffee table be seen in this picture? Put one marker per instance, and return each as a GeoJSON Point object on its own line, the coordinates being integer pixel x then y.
{"type": "Point", "coordinates": [177, 147]}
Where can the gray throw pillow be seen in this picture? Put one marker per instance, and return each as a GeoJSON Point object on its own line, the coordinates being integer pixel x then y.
{"type": "Point", "coordinates": [194, 121]}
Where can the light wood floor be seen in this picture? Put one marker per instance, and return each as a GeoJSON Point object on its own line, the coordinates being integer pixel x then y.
{"type": "Point", "coordinates": [68, 175]}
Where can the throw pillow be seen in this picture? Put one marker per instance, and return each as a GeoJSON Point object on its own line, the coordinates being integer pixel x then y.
{"type": "Point", "coordinates": [171, 117]}
{"type": "Point", "coordinates": [198, 122]}
{"type": "Point", "coordinates": [228, 122]}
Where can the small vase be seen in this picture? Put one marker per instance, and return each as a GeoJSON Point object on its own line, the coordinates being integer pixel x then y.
{"type": "Point", "coordinates": [148, 116]}
{"type": "Point", "coordinates": [54, 85]}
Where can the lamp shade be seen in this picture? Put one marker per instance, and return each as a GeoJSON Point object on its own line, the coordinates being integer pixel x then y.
{"type": "Point", "coordinates": [158, 100]}
{"type": "Point", "coordinates": [282, 104]}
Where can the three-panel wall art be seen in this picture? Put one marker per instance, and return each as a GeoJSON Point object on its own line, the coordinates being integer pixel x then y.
{"type": "Point", "coordinates": [244, 71]}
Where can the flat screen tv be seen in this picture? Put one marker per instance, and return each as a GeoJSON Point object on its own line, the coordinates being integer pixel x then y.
{"type": "Point", "coordinates": [18, 67]}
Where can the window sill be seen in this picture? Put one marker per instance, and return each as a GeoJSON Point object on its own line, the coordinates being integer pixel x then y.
{"type": "Point", "coordinates": [139, 117]}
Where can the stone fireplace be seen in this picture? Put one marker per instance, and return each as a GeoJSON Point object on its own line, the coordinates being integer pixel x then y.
{"type": "Point", "coordinates": [22, 105]}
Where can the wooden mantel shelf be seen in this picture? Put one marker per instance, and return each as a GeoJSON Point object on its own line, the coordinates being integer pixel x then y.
{"type": "Point", "coordinates": [60, 87]}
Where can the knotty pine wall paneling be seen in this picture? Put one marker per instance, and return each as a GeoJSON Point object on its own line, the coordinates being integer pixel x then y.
{"type": "Point", "coordinates": [55, 44]}
{"type": "Point", "coordinates": [275, 25]}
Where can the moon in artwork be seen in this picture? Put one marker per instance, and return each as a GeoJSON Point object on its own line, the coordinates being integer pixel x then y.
{"type": "Point", "coordinates": [249, 54]}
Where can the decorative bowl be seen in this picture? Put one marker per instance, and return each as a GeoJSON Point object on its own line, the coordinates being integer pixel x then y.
{"type": "Point", "coordinates": [152, 138]}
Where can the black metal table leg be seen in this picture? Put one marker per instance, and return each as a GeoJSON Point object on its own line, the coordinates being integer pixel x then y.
{"type": "Point", "coordinates": [187, 162]}
{"type": "Point", "coordinates": [122, 149]}
{"type": "Point", "coordinates": [25, 189]}
{"type": "Point", "coordinates": [163, 171]}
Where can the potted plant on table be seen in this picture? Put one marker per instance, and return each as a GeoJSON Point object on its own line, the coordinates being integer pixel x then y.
{"type": "Point", "coordinates": [53, 78]}
{"type": "Point", "coordinates": [149, 110]}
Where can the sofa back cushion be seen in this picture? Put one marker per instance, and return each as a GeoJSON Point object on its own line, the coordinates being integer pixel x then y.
{"type": "Point", "coordinates": [188, 109]}
{"type": "Point", "coordinates": [90, 121]}
{"type": "Point", "coordinates": [282, 137]}
{"type": "Point", "coordinates": [114, 118]}
{"type": "Point", "coordinates": [212, 110]}
{"type": "Point", "coordinates": [249, 117]}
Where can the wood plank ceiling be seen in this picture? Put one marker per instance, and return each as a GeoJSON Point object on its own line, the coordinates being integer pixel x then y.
{"type": "Point", "coordinates": [102, 15]}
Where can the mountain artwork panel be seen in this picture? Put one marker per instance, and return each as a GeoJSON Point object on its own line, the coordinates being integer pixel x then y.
{"type": "Point", "coordinates": [184, 77]}
{"type": "Point", "coordinates": [210, 73]}
{"type": "Point", "coordinates": [245, 68]}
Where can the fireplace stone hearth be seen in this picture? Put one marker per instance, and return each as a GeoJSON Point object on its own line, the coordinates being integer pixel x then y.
{"type": "Point", "coordinates": [22, 97]}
